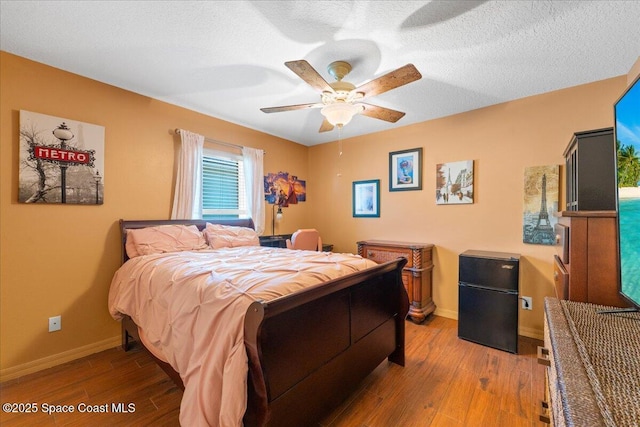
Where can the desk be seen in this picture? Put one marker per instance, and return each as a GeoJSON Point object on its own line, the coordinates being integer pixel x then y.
{"type": "Point", "coordinates": [277, 241]}
{"type": "Point", "coordinates": [280, 241]}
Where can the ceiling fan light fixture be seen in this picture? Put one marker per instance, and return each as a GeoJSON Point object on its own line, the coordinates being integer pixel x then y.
{"type": "Point", "coordinates": [340, 113]}
{"type": "Point", "coordinates": [341, 100]}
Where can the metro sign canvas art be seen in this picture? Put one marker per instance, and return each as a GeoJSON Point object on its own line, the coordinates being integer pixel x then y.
{"type": "Point", "coordinates": [61, 160]}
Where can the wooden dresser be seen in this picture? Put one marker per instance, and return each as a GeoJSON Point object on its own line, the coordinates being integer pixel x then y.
{"type": "Point", "coordinates": [416, 276]}
{"type": "Point", "coordinates": [586, 267]}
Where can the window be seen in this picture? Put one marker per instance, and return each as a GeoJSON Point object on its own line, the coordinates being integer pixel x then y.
{"type": "Point", "coordinates": [223, 187]}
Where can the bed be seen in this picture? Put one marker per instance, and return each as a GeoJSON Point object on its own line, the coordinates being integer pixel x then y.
{"type": "Point", "coordinates": [302, 353]}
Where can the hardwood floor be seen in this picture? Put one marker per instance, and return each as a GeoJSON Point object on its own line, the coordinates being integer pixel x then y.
{"type": "Point", "coordinates": [446, 382]}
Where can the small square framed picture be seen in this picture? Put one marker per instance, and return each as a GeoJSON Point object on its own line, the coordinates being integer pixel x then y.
{"type": "Point", "coordinates": [454, 183]}
{"type": "Point", "coordinates": [405, 170]}
{"type": "Point", "coordinates": [366, 198]}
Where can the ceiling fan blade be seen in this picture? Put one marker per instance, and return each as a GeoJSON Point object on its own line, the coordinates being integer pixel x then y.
{"type": "Point", "coordinates": [291, 107]}
{"type": "Point", "coordinates": [400, 77]}
{"type": "Point", "coordinates": [307, 73]}
{"type": "Point", "coordinates": [325, 126]}
{"type": "Point", "coordinates": [381, 113]}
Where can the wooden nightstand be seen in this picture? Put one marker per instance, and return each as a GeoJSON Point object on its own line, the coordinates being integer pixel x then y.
{"type": "Point", "coordinates": [416, 275]}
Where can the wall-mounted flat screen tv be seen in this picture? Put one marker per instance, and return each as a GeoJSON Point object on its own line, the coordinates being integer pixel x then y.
{"type": "Point", "coordinates": [627, 133]}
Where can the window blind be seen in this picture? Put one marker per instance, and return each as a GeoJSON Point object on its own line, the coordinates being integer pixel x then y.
{"type": "Point", "coordinates": [223, 187]}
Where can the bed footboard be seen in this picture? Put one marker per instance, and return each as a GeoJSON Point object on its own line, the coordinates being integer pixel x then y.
{"type": "Point", "coordinates": [310, 350]}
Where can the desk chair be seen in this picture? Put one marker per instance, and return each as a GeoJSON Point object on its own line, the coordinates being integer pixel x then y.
{"type": "Point", "coordinates": [306, 239]}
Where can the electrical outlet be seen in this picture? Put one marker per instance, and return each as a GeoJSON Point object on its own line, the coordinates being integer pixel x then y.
{"type": "Point", "coordinates": [55, 323]}
{"type": "Point", "coordinates": [527, 304]}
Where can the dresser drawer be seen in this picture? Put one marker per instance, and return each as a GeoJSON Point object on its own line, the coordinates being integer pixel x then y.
{"type": "Point", "coordinates": [406, 280]}
{"type": "Point", "coordinates": [384, 254]}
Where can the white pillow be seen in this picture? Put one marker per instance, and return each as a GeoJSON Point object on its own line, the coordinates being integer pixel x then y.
{"type": "Point", "coordinates": [227, 236]}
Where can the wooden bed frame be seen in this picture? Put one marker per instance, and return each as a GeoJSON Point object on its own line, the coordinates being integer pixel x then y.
{"type": "Point", "coordinates": [309, 351]}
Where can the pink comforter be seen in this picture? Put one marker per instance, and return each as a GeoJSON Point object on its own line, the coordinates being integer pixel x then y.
{"type": "Point", "coordinates": [191, 307]}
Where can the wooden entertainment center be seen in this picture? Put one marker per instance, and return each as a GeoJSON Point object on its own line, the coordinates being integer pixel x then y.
{"type": "Point", "coordinates": [586, 266]}
{"type": "Point", "coordinates": [591, 347]}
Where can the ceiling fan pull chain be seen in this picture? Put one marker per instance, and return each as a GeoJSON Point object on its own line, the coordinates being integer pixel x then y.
{"type": "Point", "coordinates": [339, 151]}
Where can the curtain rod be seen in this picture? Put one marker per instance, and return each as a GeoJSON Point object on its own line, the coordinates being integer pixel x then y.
{"type": "Point", "coordinates": [215, 141]}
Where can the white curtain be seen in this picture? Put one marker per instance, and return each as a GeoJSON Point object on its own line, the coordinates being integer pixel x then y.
{"type": "Point", "coordinates": [187, 197]}
{"type": "Point", "coordinates": [254, 176]}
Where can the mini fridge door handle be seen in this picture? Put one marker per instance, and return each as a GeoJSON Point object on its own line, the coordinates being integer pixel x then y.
{"type": "Point", "coordinates": [488, 288]}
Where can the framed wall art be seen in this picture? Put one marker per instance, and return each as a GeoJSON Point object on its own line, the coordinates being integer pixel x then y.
{"type": "Point", "coordinates": [284, 189]}
{"type": "Point", "coordinates": [454, 183]}
{"type": "Point", "coordinates": [61, 161]}
{"type": "Point", "coordinates": [405, 170]}
{"type": "Point", "coordinates": [366, 198]}
{"type": "Point", "coordinates": [540, 204]}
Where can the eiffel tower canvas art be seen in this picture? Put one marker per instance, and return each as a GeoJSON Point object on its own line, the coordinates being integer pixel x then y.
{"type": "Point", "coordinates": [540, 204]}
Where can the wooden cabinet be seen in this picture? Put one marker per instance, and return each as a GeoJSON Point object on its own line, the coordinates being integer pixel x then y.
{"type": "Point", "coordinates": [417, 273]}
{"type": "Point", "coordinates": [586, 267]}
{"type": "Point", "coordinates": [560, 278]}
{"type": "Point", "coordinates": [590, 166]}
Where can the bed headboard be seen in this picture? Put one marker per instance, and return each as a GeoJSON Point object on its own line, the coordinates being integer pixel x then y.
{"type": "Point", "coordinates": [200, 223]}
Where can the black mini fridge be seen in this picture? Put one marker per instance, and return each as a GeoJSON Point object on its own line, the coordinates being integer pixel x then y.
{"type": "Point", "coordinates": [488, 287]}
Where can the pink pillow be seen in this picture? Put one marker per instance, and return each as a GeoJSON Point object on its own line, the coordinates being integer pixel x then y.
{"type": "Point", "coordinates": [227, 236]}
{"type": "Point", "coordinates": [132, 252]}
{"type": "Point", "coordinates": [164, 238]}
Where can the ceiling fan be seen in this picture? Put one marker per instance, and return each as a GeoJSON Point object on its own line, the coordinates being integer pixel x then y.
{"type": "Point", "coordinates": [341, 100]}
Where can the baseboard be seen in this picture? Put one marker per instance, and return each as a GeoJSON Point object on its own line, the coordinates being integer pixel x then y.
{"type": "Point", "coordinates": [526, 332]}
{"type": "Point", "coordinates": [57, 359]}
{"type": "Point", "coordinates": [531, 333]}
{"type": "Point", "coordinates": [449, 314]}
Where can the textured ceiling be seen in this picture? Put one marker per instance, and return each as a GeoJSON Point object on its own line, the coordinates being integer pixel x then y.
{"type": "Point", "coordinates": [226, 58]}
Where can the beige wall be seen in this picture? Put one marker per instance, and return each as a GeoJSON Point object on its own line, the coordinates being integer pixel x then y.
{"type": "Point", "coordinates": [58, 259]}
{"type": "Point", "coordinates": [634, 72]}
{"type": "Point", "coordinates": [502, 140]}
